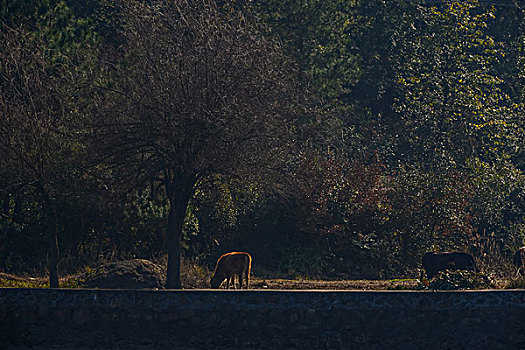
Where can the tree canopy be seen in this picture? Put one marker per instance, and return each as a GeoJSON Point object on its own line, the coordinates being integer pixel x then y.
{"type": "Point", "coordinates": [325, 137]}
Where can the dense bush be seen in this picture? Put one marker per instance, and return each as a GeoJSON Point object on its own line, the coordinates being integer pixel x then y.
{"type": "Point", "coordinates": [458, 279]}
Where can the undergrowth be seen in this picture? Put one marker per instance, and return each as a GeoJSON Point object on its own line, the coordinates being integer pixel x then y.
{"type": "Point", "coordinates": [11, 281]}
{"type": "Point", "coordinates": [516, 283]}
{"type": "Point", "coordinates": [457, 280]}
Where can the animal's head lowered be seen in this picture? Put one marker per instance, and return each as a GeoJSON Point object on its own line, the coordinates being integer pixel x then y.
{"type": "Point", "coordinates": [216, 280]}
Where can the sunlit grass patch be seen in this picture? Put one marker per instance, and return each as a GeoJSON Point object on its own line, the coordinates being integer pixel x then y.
{"type": "Point", "coordinates": [12, 281]}
{"type": "Point", "coordinates": [403, 280]}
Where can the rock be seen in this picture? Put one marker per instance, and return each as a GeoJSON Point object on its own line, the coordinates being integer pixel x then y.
{"type": "Point", "coordinates": [128, 274]}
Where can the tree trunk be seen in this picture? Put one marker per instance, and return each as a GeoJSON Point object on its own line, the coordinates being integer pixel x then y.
{"type": "Point", "coordinates": [174, 237]}
{"type": "Point", "coordinates": [53, 250]}
{"type": "Point", "coordinates": [52, 236]}
{"type": "Point", "coordinates": [179, 196]}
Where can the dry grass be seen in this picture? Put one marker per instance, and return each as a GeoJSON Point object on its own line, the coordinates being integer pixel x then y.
{"type": "Point", "coordinates": [12, 281]}
{"type": "Point", "coordinates": [515, 283]}
{"type": "Point", "coordinates": [492, 259]}
{"type": "Point", "coordinates": [196, 276]}
{"type": "Point", "coordinates": [193, 275]}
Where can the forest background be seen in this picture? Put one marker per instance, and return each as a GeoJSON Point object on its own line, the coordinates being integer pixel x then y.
{"type": "Point", "coordinates": [334, 139]}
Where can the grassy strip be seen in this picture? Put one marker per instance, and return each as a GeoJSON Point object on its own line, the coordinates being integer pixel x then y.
{"type": "Point", "coordinates": [10, 281]}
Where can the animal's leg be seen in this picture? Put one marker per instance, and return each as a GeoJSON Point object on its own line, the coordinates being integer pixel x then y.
{"type": "Point", "coordinates": [244, 276]}
{"type": "Point", "coordinates": [240, 280]}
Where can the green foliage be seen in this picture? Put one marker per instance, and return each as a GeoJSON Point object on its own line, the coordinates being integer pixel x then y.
{"type": "Point", "coordinates": [451, 99]}
{"type": "Point", "coordinates": [316, 32]}
{"type": "Point", "coordinates": [46, 60]}
{"type": "Point", "coordinates": [29, 11]}
{"type": "Point", "coordinates": [54, 20]}
{"type": "Point", "coordinates": [415, 142]}
{"type": "Point", "coordinates": [428, 211]}
{"type": "Point", "coordinates": [458, 279]}
{"type": "Point", "coordinates": [309, 262]}
{"type": "Point", "coordinates": [403, 286]}
{"type": "Point", "coordinates": [72, 283]}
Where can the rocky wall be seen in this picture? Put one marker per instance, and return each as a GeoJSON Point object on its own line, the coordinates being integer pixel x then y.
{"type": "Point", "coordinates": [261, 319]}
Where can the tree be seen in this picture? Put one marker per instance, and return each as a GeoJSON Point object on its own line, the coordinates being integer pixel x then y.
{"type": "Point", "coordinates": [452, 100]}
{"type": "Point", "coordinates": [458, 111]}
{"type": "Point", "coordinates": [42, 68]}
{"type": "Point", "coordinates": [198, 92]}
{"type": "Point", "coordinates": [37, 124]}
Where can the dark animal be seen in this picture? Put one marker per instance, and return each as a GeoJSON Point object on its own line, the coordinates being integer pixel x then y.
{"type": "Point", "coordinates": [230, 265]}
{"type": "Point", "coordinates": [519, 260]}
{"type": "Point", "coordinates": [433, 262]}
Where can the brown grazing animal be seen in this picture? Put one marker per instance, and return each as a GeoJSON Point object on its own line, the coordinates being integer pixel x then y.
{"type": "Point", "coordinates": [519, 261]}
{"type": "Point", "coordinates": [230, 265]}
{"type": "Point", "coordinates": [433, 262]}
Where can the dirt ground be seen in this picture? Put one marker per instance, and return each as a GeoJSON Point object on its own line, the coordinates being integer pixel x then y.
{"type": "Point", "coordinates": [261, 283]}
{"type": "Point", "coordinates": [258, 283]}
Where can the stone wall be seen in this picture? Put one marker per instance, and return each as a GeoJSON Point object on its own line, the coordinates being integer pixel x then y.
{"type": "Point", "coordinates": [261, 319]}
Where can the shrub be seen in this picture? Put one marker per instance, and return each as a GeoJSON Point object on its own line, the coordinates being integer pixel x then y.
{"type": "Point", "coordinates": [516, 283]}
{"type": "Point", "coordinates": [458, 279]}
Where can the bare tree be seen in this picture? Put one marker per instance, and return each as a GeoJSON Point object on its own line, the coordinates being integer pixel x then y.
{"type": "Point", "coordinates": [36, 125]}
{"type": "Point", "coordinates": [199, 91]}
